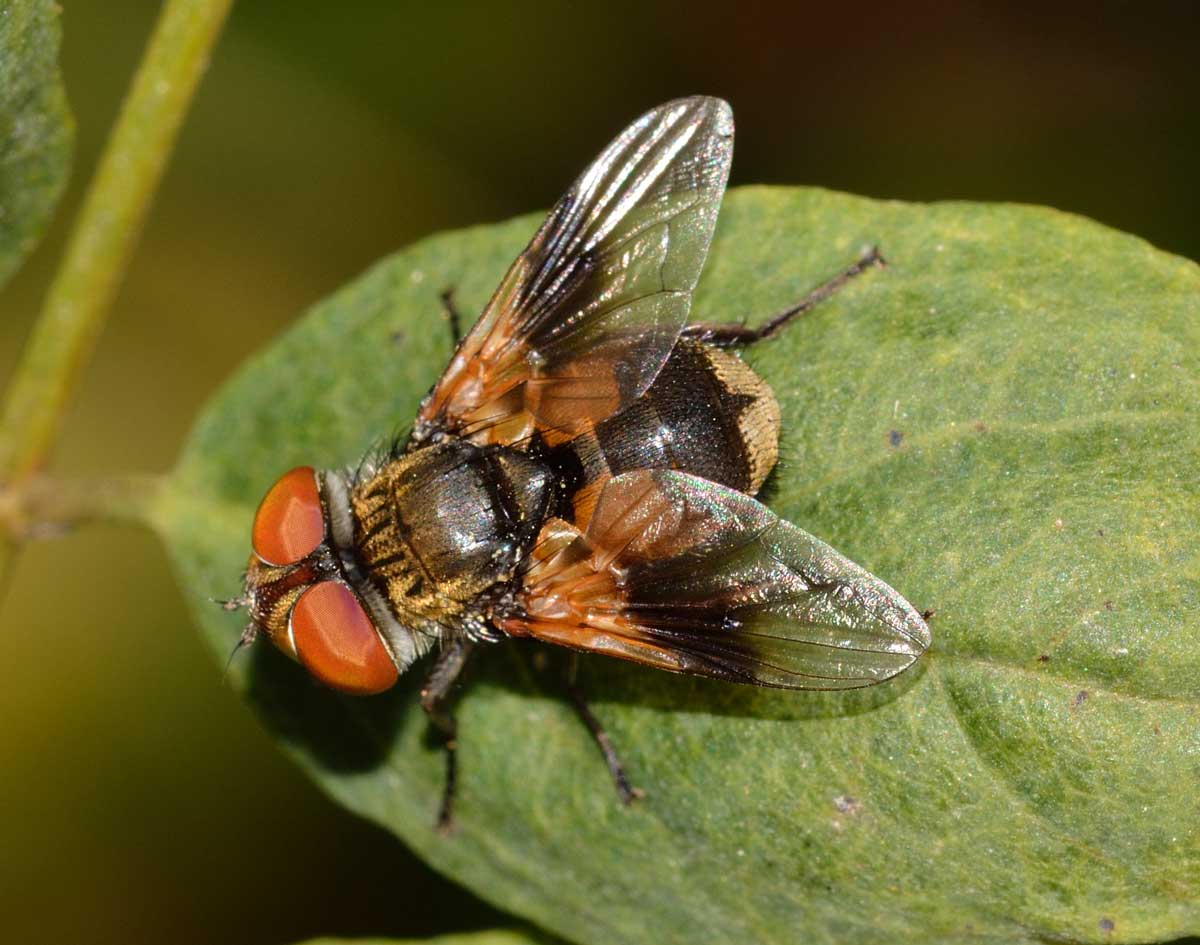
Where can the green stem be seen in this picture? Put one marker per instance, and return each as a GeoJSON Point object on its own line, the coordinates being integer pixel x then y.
{"type": "Point", "coordinates": [45, 508]}
{"type": "Point", "coordinates": [101, 244]}
{"type": "Point", "coordinates": [105, 233]}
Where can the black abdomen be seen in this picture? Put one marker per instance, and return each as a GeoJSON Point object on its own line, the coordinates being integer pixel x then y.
{"type": "Point", "coordinates": [707, 413]}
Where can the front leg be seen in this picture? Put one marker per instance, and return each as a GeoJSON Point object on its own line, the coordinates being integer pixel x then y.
{"type": "Point", "coordinates": [434, 693]}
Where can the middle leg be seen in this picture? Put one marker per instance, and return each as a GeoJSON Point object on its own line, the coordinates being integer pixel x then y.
{"type": "Point", "coordinates": [627, 793]}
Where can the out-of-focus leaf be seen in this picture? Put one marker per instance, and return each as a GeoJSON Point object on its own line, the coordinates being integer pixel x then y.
{"type": "Point", "coordinates": [488, 937]}
{"type": "Point", "coordinates": [1002, 425]}
{"type": "Point", "coordinates": [35, 126]}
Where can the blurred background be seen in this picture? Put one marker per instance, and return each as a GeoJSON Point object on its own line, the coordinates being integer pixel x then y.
{"type": "Point", "coordinates": [140, 801]}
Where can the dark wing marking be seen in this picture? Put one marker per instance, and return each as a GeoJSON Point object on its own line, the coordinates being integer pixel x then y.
{"type": "Point", "coordinates": [589, 312]}
{"type": "Point", "coordinates": [686, 575]}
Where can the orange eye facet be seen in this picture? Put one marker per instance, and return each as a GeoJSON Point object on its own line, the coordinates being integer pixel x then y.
{"type": "Point", "coordinates": [289, 523]}
{"type": "Point", "coordinates": [337, 642]}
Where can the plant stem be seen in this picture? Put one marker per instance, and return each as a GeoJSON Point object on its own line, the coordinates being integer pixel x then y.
{"type": "Point", "coordinates": [102, 242]}
{"type": "Point", "coordinates": [45, 508]}
{"type": "Point", "coordinates": [105, 233]}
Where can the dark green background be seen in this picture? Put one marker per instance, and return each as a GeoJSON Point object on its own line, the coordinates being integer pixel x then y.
{"type": "Point", "coordinates": [139, 800]}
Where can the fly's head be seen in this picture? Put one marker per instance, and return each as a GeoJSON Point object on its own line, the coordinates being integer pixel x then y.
{"type": "Point", "coordinates": [305, 591]}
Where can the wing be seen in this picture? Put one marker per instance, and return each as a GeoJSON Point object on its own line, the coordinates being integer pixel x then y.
{"type": "Point", "coordinates": [589, 312]}
{"type": "Point", "coordinates": [689, 576]}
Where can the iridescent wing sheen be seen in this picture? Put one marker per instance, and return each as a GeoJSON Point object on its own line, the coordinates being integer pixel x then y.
{"type": "Point", "coordinates": [680, 573]}
{"type": "Point", "coordinates": [589, 312]}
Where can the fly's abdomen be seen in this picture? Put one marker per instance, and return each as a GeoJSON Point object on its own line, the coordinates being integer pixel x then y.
{"type": "Point", "coordinates": [707, 413]}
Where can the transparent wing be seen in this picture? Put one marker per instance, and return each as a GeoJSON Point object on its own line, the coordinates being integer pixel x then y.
{"type": "Point", "coordinates": [589, 312]}
{"type": "Point", "coordinates": [677, 572]}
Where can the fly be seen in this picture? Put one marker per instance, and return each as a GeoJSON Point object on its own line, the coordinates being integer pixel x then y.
{"type": "Point", "coordinates": [583, 473]}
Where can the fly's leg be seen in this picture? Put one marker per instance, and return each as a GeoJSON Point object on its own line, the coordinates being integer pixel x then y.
{"type": "Point", "coordinates": [453, 317]}
{"type": "Point", "coordinates": [734, 334]}
{"type": "Point", "coordinates": [627, 793]}
{"type": "Point", "coordinates": [434, 693]}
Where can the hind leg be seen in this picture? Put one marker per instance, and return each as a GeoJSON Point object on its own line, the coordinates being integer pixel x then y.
{"type": "Point", "coordinates": [733, 334]}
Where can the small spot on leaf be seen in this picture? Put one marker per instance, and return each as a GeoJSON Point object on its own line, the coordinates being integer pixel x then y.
{"type": "Point", "coordinates": [847, 804]}
{"type": "Point", "coordinates": [1080, 698]}
{"type": "Point", "coordinates": [894, 437]}
{"type": "Point", "coordinates": [1107, 925]}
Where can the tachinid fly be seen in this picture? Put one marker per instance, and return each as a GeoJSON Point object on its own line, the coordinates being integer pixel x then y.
{"type": "Point", "coordinates": [582, 473]}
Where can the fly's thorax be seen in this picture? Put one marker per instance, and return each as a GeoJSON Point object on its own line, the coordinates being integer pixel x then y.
{"type": "Point", "coordinates": [406, 640]}
{"type": "Point", "coordinates": [439, 528]}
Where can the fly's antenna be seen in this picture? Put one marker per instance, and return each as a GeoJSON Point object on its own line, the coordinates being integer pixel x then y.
{"type": "Point", "coordinates": [229, 606]}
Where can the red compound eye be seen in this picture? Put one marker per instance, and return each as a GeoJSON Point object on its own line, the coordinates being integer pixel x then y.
{"type": "Point", "coordinates": [337, 642]}
{"type": "Point", "coordinates": [289, 522]}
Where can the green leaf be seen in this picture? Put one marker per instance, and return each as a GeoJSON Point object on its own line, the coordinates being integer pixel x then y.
{"type": "Point", "coordinates": [35, 126]}
{"type": "Point", "coordinates": [489, 937]}
{"type": "Point", "coordinates": [1002, 425]}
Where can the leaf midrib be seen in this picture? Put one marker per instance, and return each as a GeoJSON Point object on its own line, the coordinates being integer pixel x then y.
{"type": "Point", "coordinates": [960, 430]}
{"type": "Point", "coordinates": [1038, 675]}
